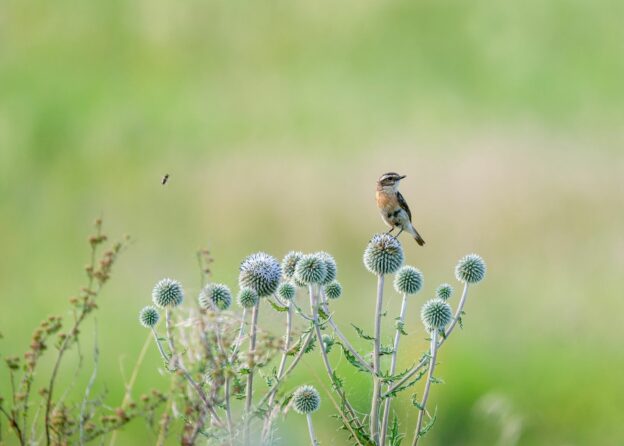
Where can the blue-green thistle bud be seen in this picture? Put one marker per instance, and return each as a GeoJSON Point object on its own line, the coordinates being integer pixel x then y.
{"type": "Point", "coordinates": [383, 255]}
{"type": "Point", "coordinates": [306, 399]}
{"type": "Point", "coordinates": [333, 290]}
{"type": "Point", "coordinates": [260, 272]}
{"type": "Point", "coordinates": [167, 293]}
{"type": "Point", "coordinates": [247, 298]}
{"type": "Point", "coordinates": [436, 314]}
{"type": "Point", "coordinates": [408, 280]}
{"type": "Point", "coordinates": [311, 269]}
{"type": "Point", "coordinates": [470, 269]}
{"type": "Point", "coordinates": [330, 264]}
{"type": "Point", "coordinates": [149, 317]}
{"type": "Point", "coordinates": [289, 263]}
{"type": "Point", "coordinates": [215, 296]}
{"type": "Point", "coordinates": [444, 291]}
{"type": "Point", "coordinates": [328, 342]}
{"type": "Point", "coordinates": [286, 291]}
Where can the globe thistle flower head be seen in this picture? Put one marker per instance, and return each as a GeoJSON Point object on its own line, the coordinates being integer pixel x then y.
{"type": "Point", "coordinates": [436, 314]}
{"type": "Point", "coordinates": [444, 291]}
{"type": "Point", "coordinates": [333, 290]}
{"type": "Point", "coordinates": [260, 272]}
{"type": "Point", "coordinates": [330, 264]}
{"type": "Point", "coordinates": [306, 399]}
{"type": "Point", "coordinates": [408, 280]}
{"type": "Point", "coordinates": [383, 255]}
{"type": "Point", "coordinates": [289, 263]}
{"type": "Point", "coordinates": [167, 293]}
{"type": "Point", "coordinates": [311, 269]}
{"type": "Point", "coordinates": [247, 297]}
{"type": "Point", "coordinates": [328, 342]}
{"type": "Point", "coordinates": [470, 269]}
{"type": "Point", "coordinates": [286, 291]}
{"type": "Point", "coordinates": [215, 296]}
{"type": "Point", "coordinates": [149, 316]}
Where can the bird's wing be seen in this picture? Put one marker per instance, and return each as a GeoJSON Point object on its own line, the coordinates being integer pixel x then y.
{"type": "Point", "coordinates": [404, 205]}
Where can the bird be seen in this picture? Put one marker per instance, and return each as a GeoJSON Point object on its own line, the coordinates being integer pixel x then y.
{"type": "Point", "coordinates": [394, 209]}
{"type": "Point", "coordinates": [164, 179]}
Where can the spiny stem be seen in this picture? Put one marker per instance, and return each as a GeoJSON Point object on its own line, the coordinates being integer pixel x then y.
{"type": "Point", "coordinates": [376, 399]}
{"type": "Point", "coordinates": [423, 403]}
{"type": "Point", "coordinates": [250, 376]}
{"type": "Point", "coordinates": [239, 338]}
{"type": "Point", "coordinates": [342, 337]}
{"type": "Point", "coordinates": [228, 410]}
{"type": "Point", "coordinates": [330, 371]}
{"type": "Point", "coordinates": [291, 367]}
{"type": "Point", "coordinates": [423, 362]}
{"type": "Point", "coordinates": [177, 364]}
{"type": "Point", "coordinates": [282, 366]}
{"type": "Point", "coordinates": [311, 430]}
{"type": "Point", "coordinates": [395, 349]}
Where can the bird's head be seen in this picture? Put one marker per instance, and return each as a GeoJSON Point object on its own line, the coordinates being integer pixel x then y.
{"type": "Point", "coordinates": [390, 180]}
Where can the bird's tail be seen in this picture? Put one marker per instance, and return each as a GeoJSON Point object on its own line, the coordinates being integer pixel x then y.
{"type": "Point", "coordinates": [417, 237]}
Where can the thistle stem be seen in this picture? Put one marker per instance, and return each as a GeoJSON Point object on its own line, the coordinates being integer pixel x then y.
{"type": "Point", "coordinates": [228, 409]}
{"type": "Point", "coordinates": [342, 337]}
{"type": "Point", "coordinates": [239, 338]}
{"type": "Point", "coordinates": [423, 403]}
{"type": "Point", "coordinates": [311, 430]}
{"type": "Point", "coordinates": [177, 364]}
{"type": "Point", "coordinates": [250, 376]}
{"type": "Point", "coordinates": [447, 333]}
{"type": "Point", "coordinates": [393, 363]}
{"type": "Point", "coordinates": [376, 398]}
{"type": "Point", "coordinates": [280, 370]}
{"type": "Point", "coordinates": [160, 348]}
{"type": "Point", "coordinates": [304, 346]}
{"type": "Point", "coordinates": [330, 371]}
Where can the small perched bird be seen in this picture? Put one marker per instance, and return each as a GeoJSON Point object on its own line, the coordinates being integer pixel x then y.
{"type": "Point", "coordinates": [394, 209]}
{"type": "Point", "coordinates": [164, 179]}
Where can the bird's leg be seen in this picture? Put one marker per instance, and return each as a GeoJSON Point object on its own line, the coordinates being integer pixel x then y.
{"type": "Point", "coordinates": [390, 231]}
{"type": "Point", "coordinates": [397, 236]}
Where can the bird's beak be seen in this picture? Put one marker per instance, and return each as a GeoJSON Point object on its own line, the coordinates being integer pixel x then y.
{"type": "Point", "coordinates": [402, 176]}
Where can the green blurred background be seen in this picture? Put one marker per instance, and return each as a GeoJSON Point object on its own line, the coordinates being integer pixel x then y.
{"type": "Point", "coordinates": [274, 120]}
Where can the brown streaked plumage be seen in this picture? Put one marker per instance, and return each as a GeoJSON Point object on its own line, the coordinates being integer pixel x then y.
{"type": "Point", "coordinates": [394, 209]}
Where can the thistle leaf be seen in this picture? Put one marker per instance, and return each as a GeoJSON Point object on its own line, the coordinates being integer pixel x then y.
{"type": "Point", "coordinates": [361, 333]}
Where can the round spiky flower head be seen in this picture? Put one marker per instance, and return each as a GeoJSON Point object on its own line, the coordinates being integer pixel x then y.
{"type": "Point", "coordinates": [247, 298]}
{"type": "Point", "coordinates": [311, 269]}
{"type": "Point", "coordinates": [328, 342]}
{"type": "Point", "coordinates": [470, 269]}
{"type": "Point", "coordinates": [330, 264]}
{"type": "Point", "coordinates": [333, 290]}
{"type": "Point", "coordinates": [215, 296]}
{"type": "Point", "coordinates": [260, 272]}
{"type": "Point", "coordinates": [286, 291]}
{"type": "Point", "coordinates": [436, 314]}
{"type": "Point", "coordinates": [149, 317]}
{"type": "Point", "coordinates": [290, 262]}
{"type": "Point", "coordinates": [444, 291]}
{"type": "Point", "coordinates": [383, 255]}
{"type": "Point", "coordinates": [408, 280]}
{"type": "Point", "coordinates": [167, 293]}
{"type": "Point", "coordinates": [306, 399]}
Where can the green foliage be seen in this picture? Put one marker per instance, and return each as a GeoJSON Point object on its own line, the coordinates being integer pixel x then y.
{"type": "Point", "coordinates": [361, 333]}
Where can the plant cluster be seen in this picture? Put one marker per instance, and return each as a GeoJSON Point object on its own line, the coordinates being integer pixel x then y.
{"type": "Point", "coordinates": [45, 415]}
{"type": "Point", "coordinates": [216, 356]}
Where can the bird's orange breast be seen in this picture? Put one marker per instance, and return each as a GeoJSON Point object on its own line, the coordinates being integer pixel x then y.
{"type": "Point", "coordinates": [386, 201]}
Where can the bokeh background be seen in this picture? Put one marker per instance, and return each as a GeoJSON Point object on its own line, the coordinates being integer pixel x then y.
{"type": "Point", "coordinates": [274, 120]}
